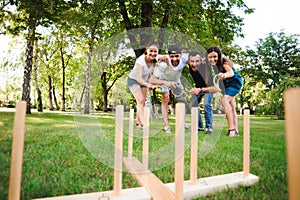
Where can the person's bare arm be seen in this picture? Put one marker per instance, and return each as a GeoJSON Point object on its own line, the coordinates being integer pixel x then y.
{"type": "Point", "coordinates": [156, 81]}
{"type": "Point", "coordinates": [211, 89]}
{"type": "Point", "coordinates": [229, 72]}
{"type": "Point", "coordinates": [139, 78]}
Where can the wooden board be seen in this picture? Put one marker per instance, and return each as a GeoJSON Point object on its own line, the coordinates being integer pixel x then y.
{"type": "Point", "coordinates": [203, 187]}
{"type": "Point", "coordinates": [145, 178]}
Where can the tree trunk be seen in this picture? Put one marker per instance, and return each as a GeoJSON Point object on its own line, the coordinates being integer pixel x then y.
{"type": "Point", "coordinates": [155, 109]}
{"type": "Point", "coordinates": [55, 99]}
{"type": "Point", "coordinates": [163, 25]}
{"type": "Point", "coordinates": [172, 102]}
{"type": "Point", "coordinates": [28, 66]}
{"type": "Point", "coordinates": [63, 98]}
{"type": "Point", "coordinates": [81, 98]}
{"type": "Point", "coordinates": [39, 93]}
{"type": "Point", "coordinates": [104, 89]}
{"type": "Point", "coordinates": [50, 92]}
{"type": "Point", "coordinates": [39, 100]}
{"type": "Point", "coordinates": [86, 109]}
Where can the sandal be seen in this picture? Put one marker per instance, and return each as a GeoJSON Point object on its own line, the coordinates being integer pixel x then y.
{"type": "Point", "coordinates": [231, 135]}
{"type": "Point", "coordinates": [139, 125]}
{"type": "Point", "coordinates": [237, 133]}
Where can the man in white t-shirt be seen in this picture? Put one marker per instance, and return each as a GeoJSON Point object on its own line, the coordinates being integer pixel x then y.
{"type": "Point", "coordinates": [167, 75]}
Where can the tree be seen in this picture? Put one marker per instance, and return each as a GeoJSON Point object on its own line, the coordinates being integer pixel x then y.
{"type": "Point", "coordinates": [275, 98]}
{"type": "Point", "coordinates": [274, 58]}
{"type": "Point", "coordinates": [201, 21]}
{"type": "Point", "coordinates": [207, 22]}
{"type": "Point", "coordinates": [93, 22]}
{"type": "Point", "coordinates": [30, 14]}
{"type": "Point", "coordinates": [112, 74]}
{"type": "Point", "coordinates": [89, 23]}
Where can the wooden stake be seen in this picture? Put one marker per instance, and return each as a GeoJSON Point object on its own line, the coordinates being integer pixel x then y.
{"type": "Point", "coordinates": [246, 158]}
{"type": "Point", "coordinates": [146, 137]}
{"type": "Point", "coordinates": [292, 116]}
{"type": "Point", "coordinates": [118, 150]}
{"type": "Point", "coordinates": [17, 152]}
{"type": "Point", "coordinates": [179, 150]}
{"type": "Point", "coordinates": [194, 145]}
{"type": "Point", "coordinates": [130, 132]}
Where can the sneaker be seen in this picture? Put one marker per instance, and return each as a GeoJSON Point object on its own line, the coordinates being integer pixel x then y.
{"type": "Point", "coordinates": [186, 128]}
{"type": "Point", "coordinates": [200, 129]}
{"type": "Point", "coordinates": [167, 129]}
{"type": "Point", "coordinates": [209, 130]}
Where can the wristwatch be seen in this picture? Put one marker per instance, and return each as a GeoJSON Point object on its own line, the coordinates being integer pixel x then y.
{"type": "Point", "coordinates": [201, 90]}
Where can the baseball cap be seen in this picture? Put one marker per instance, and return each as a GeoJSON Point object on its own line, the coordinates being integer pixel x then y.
{"type": "Point", "coordinates": [175, 49]}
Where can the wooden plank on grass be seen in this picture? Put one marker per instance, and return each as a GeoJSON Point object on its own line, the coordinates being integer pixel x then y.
{"type": "Point", "coordinates": [292, 116]}
{"type": "Point", "coordinates": [246, 156]}
{"type": "Point", "coordinates": [17, 152]}
{"type": "Point", "coordinates": [203, 187]}
{"type": "Point", "coordinates": [145, 178]}
{"type": "Point", "coordinates": [194, 145]}
{"type": "Point", "coordinates": [179, 150]}
{"type": "Point", "coordinates": [118, 150]}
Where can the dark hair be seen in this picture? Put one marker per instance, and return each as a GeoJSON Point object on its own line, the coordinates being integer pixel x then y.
{"type": "Point", "coordinates": [194, 53]}
{"type": "Point", "coordinates": [153, 43]}
{"type": "Point", "coordinates": [220, 61]}
{"type": "Point", "coordinates": [175, 49]}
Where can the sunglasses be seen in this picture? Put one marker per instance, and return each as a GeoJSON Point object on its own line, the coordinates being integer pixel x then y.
{"type": "Point", "coordinates": [174, 56]}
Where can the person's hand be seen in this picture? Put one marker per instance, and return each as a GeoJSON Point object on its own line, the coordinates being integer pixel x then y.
{"type": "Point", "coordinates": [195, 91]}
{"type": "Point", "coordinates": [171, 85]}
{"type": "Point", "coordinates": [164, 59]}
{"type": "Point", "coordinates": [222, 76]}
{"type": "Point", "coordinates": [150, 86]}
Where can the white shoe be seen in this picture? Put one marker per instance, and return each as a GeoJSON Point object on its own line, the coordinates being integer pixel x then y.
{"type": "Point", "coordinates": [186, 127]}
{"type": "Point", "coordinates": [209, 130]}
{"type": "Point", "coordinates": [167, 129]}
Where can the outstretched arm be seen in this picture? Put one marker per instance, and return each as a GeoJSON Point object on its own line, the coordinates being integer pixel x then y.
{"type": "Point", "coordinates": [229, 72]}
{"type": "Point", "coordinates": [156, 81]}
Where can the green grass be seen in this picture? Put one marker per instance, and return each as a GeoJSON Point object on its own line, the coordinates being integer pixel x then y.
{"type": "Point", "coordinates": [62, 158]}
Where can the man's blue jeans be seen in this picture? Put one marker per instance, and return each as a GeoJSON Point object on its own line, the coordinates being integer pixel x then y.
{"type": "Point", "coordinates": [208, 111]}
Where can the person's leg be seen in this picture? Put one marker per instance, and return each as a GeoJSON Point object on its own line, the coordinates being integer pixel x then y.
{"type": "Point", "coordinates": [208, 112]}
{"type": "Point", "coordinates": [140, 97]}
{"type": "Point", "coordinates": [200, 121]}
{"type": "Point", "coordinates": [164, 107]}
{"type": "Point", "coordinates": [181, 98]}
{"type": "Point", "coordinates": [194, 102]}
{"type": "Point", "coordinates": [234, 115]}
{"type": "Point", "coordinates": [228, 112]}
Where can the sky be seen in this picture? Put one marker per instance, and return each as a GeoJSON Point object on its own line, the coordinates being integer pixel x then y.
{"type": "Point", "coordinates": [269, 16]}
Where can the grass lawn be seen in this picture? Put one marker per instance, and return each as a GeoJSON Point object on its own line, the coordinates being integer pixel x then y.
{"type": "Point", "coordinates": [66, 155]}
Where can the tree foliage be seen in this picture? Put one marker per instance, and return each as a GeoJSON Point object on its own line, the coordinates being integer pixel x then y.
{"type": "Point", "coordinates": [275, 99]}
{"type": "Point", "coordinates": [91, 23]}
{"type": "Point", "coordinates": [268, 70]}
{"type": "Point", "coordinates": [274, 58]}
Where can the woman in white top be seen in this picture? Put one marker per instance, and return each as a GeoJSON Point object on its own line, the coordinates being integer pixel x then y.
{"type": "Point", "coordinates": [138, 79]}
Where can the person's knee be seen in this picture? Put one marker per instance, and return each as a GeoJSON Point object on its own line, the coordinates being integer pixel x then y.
{"type": "Point", "coordinates": [223, 101]}
{"type": "Point", "coordinates": [165, 98]}
{"type": "Point", "coordinates": [140, 101]}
